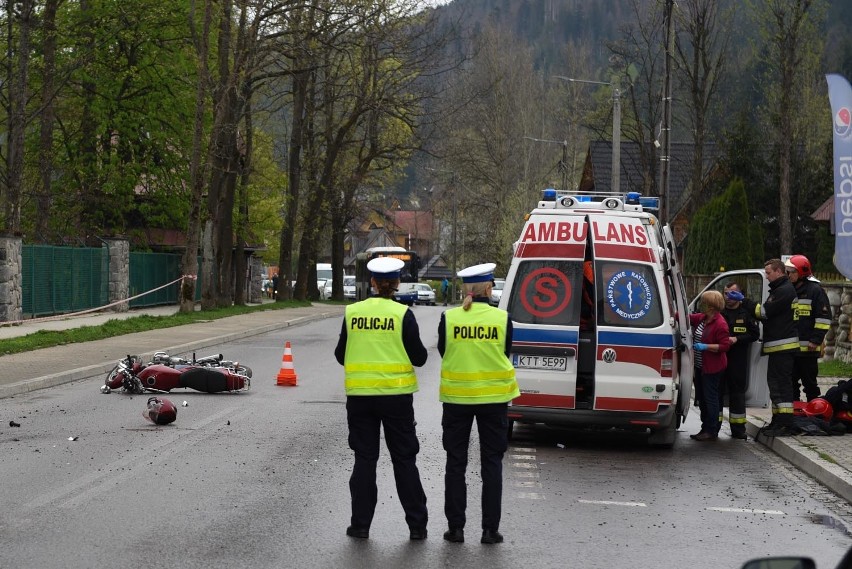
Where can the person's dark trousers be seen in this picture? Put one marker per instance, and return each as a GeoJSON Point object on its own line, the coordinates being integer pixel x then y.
{"type": "Point", "coordinates": [735, 381]}
{"type": "Point", "coordinates": [696, 383]}
{"type": "Point", "coordinates": [492, 424]}
{"type": "Point", "coordinates": [806, 369]}
{"type": "Point", "coordinates": [779, 371]}
{"type": "Point", "coordinates": [710, 383]}
{"type": "Point", "coordinates": [365, 415]}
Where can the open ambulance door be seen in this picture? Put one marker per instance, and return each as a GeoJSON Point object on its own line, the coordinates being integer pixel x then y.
{"type": "Point", "coordinates": [754, 286]}
{"type": "Point", "coordinates": [635, 345]}
{"type": "Point", "coordinates": [683, 360]}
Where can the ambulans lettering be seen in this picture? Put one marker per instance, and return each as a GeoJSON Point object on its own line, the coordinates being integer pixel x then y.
{"type": "Point", "coordinates": [629, 295]}
{"type": "Point", "coordinates": [574, 231]}
{"type": "Point", "coordinates": [625, 233]}
{"type": "Point", "coordinates": [475, 333]}
{"type": "Point", "coordinates": [373, 323]}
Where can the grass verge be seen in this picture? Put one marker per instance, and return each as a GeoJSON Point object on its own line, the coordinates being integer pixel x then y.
{"type": "Point", "coordinates": [119, 327]}
{"type": "Point", "coordinates": [835, 368]}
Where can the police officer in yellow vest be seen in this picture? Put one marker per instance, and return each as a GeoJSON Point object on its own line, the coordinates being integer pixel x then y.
{"type": "Point", "coordinates": [477, 380]}
{"type": "Point", "coordinates": [379, 346]}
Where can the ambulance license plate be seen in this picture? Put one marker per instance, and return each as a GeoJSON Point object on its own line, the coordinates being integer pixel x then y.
{"type": "Point", "coordinates": [554, 363]}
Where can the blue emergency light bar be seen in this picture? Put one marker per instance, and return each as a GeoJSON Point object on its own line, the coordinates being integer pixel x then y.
{"type": "Point", "coordinates": [548, 195]}
{"type": "Point", "coordinates": [650, 202]}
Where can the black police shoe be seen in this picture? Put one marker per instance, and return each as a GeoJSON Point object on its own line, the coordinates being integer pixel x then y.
{"type": "Point", "coordinates": [417, 533]}
{"type": "Point", "coordinates": [456, 535]}
{"type": "Point", "coordinates": [491, 536]}
{"type": "Point", "coordinates": [360, 533]}
{"type": "Point", "coordinates": [739, 435]}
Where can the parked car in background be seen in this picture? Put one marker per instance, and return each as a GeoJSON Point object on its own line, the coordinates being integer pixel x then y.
{"type": "Point", "coordinates": [348, 288]}
{"type": "Point", "coordinates": [496, 292]}
{"type": "Point", "coordinates": [406, 294]}
{"type": "Point", "coordinates": [425, 293]}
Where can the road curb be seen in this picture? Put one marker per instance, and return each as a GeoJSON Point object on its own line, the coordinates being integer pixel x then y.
{"type": "Point", "coordinates": [795, 451]}
{"type": "Point", "coordinates": [100, 370]}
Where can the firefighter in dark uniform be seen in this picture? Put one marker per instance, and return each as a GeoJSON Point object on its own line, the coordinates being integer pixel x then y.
{"type": "Point", "coordinates": [780, 345]}
{"type": "Point", "coordinates": [379, 346]}
{"type": "Point", "coordinates": [477, 381]}
{"type": "Point", "coordinates": [814, 314]}
{"type": "Point", "coordinates": [744, 330]}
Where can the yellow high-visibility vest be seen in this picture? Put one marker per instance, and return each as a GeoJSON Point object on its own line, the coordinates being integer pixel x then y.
{"type": "Point", "coordinates": [376, 362]}
{"type": "Point", "coordinates": [475, 368]}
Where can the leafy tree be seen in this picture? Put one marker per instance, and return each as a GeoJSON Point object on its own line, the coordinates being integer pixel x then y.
{"type": "Point", "coordinates": [720, 234]}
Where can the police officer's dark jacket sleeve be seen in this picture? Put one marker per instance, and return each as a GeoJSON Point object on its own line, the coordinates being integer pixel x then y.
{"type": "Point", "coordinates": [410, 340]}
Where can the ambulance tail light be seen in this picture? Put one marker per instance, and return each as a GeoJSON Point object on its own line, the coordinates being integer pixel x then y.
{"type": "Point", "coordinates": [666, 363]}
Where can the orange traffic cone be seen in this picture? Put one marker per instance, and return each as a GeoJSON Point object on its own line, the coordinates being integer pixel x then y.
{"type": "Point", "coordinates": [287, 374]}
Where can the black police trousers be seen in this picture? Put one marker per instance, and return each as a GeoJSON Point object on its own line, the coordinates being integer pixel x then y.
{"type": "Point", "coordinates": [492, 424]}
{"type": "Point", "coordinates": [366, 414]}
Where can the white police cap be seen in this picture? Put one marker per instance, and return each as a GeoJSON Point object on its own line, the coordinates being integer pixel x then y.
{"type": "Point", "coordinates": [478, 273]}
{"type": "Point", "coordinates": [385, 267]}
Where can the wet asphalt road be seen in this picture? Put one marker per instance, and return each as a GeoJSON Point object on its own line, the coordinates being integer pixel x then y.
{"type": "Point", "coordinates": [260, 479]}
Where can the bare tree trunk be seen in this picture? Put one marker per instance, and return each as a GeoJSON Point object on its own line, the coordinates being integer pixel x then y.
{"type": "Point", "coordinates": [240, 296]}
{"type": "Point", "coordinates": [45, 158]}
{"type": "Point", "coordinates": [17, 120]}
{"type": "Point", "coordinates": [196, 169]}
{"type": "Point", "coordinates": [294, 167]}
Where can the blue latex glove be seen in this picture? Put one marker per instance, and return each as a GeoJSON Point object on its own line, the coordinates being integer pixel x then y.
{"type": "Point", "coordinates": [699, 346]}
{"type": "Point", "coordinates": [734, 295]}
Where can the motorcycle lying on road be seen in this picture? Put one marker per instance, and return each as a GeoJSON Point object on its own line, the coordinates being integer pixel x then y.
{"type": "Point", "coordinates": [211, 374]}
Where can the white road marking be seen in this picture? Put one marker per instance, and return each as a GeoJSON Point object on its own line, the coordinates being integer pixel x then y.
{"type": "Point", "coordinates": [748, 511]}
{"type": "Point", "coordinates": [522, 456]}
{"type": "Point", "coordinates": [613, 503]}
{"type": "Point", "coordinates": [523, 465]}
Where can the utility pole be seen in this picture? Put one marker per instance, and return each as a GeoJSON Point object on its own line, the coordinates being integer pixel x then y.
{"type": "Point", "coordinates": [665, 129]}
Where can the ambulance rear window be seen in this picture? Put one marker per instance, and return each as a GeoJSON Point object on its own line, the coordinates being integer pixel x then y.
{"type": "Point", "coordinates": [627, 295]}
{"type": "Point", "coordinates": [547, 292]}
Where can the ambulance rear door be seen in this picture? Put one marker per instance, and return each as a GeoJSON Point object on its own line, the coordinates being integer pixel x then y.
{"type": "Point", "coordinates": [543, 300]}
{"type": "Point", "coordinates": [755, 286]}
{"type": "Point", "coordinates": [683, 356]}
{"type": "Point", "coordinates": [635, 338]}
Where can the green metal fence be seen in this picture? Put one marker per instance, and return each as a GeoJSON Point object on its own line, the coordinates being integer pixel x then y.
{"type": "Point", "coordinates": [57, 280]}
{"type": "Point", "coordinates": [152, 270]}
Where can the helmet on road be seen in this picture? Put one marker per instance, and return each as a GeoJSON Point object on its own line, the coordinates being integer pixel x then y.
{"type": "Point", "coordinates": [160, 411]}
{"type": "Point", "coordinates": [801, 264]}
{"type": "Point", "coordinates": [819, 407]}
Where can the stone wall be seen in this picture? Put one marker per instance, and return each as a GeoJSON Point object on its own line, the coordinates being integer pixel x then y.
{"type": "Point", "coordinates": [119, 273]}
{"type": "Point", "coordinates": [838, 343]}
{"type": "Point", "coordinates": [11, 301]}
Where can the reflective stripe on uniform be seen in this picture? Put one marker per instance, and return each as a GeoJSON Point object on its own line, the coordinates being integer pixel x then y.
{"type": "Point", "coordinates": [822, 323]}
{"type": "Point", "coordinates": [737, 418]}
{"type": "Point", "coordinates": [781, 345]}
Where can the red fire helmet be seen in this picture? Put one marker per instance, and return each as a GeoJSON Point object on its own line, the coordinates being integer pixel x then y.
{"type": "Point", "coordinates": [819, 407]}
{"type": "Point", "coordinates": [801, 264]}
{"type": "Point", "coordinates": [160, 411]}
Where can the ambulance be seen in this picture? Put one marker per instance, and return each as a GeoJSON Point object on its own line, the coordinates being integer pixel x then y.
{"type": "Point", "coordinates": [599, 312]}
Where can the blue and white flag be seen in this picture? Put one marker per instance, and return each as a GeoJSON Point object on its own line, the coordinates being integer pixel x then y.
{"type": "Point", "coordinates": [840, 95]}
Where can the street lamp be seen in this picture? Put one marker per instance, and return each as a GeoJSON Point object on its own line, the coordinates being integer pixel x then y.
{"type": "Point", "coordinates": [616, 125]}
{"type": "Point", "coordinates": [563, 165]}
